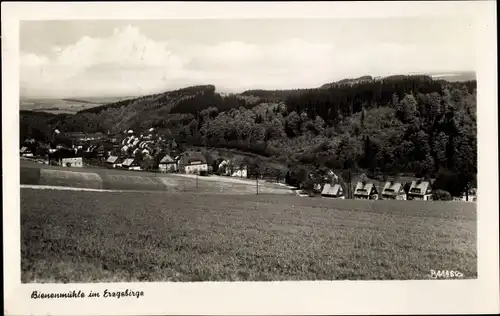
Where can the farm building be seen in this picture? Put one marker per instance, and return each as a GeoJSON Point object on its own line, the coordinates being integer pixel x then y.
{"type": "Point", "coordinates": [25, 152]}
{"type": "Point", "coordinates": [334, 191]}
{"type": "Point", "coordinates": [76, 162]}
{"type": "Point", "coordinates": [131, 164]}
{"type": "Point", "coordinates": [167, 164]}
{"type": "Point", "coordinates": [365, 191]}
{"type": "Point", "coordinates": [393, 191]}
{"type": "Point", "coordinates": [192, 162]}
{"type": "Point", "coordinates": [113, 161]}
{"type": "Point", "coordinates": [420, 190]}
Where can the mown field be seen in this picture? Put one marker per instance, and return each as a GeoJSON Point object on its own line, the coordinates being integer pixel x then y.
{"type": "Point", "coordinates": [159, 236]}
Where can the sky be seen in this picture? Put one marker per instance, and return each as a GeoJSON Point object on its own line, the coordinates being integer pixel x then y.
{"type": "Point", "coordinates": [132, 57]}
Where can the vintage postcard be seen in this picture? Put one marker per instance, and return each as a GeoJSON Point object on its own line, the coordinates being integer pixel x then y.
{"type": "Point", "coordinates": [250, 158]}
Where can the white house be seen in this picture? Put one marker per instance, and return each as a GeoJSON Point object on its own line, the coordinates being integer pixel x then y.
{"type": "Point", "coordinates": [131, 164]}
{"type": "Point", "coordinates": [241, 173]}
{"type": "Point", "coordinates": [420, 190]}
{"type": "Point", "coordinates": [75, 162]}
{"type": "Point", "coordinates": [393, 191]}
{"type": "Point", "coordinates": [223, 168]}
{"type": "Point", "coordinates": [334, 191]}
{"type": "Point", "coordinates": [113, 161]}
{"type": "Point", "coordinates": [167, 164]}
{"type": "Point", "coordinates": [192, 162]}
{"type": "Point", "coordinates": [365, 191]}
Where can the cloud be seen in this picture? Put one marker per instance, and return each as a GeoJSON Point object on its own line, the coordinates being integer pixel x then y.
{"type": "Point", "coordinates": [129, 63]}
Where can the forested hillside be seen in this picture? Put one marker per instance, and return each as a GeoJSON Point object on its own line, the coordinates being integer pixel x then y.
{"type": "Point", "coordinates": [385, 125]}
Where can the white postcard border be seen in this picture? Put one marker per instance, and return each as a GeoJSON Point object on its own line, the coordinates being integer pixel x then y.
{"type": "Point", "coordinates": [320, 297]}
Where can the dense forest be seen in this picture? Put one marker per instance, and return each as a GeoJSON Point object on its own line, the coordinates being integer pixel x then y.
{"type": "Point", "coordinates": [399, 124]}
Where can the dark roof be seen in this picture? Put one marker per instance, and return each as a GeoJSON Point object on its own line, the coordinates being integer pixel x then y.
{"type": "Point", "coordinates": [167, 159]}
{"type": "Point", "coordinates": [188, 157]}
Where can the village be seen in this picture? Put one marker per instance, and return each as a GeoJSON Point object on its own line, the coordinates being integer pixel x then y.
{"type": "Point", "coordinates": [149, 151]}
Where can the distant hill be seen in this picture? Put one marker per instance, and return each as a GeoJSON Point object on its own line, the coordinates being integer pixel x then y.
{"type": "Point", "coordinates": [156, 110]}
{"type": "Point", "coordinates": [455, 77]}
{"type": "Point", "coordinates": [460, 76]}
{"type": "Point", "coordinates": [80, 101]}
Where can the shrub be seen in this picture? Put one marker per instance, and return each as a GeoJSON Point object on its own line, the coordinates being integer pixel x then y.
{"type": "Point", "coordinates": [441, 195]}
{"type": "Point", "coordinates": [203, 173]}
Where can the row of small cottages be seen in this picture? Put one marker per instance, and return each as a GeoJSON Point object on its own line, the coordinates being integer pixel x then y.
{"type": "Point", "coordinates": [419, 190]}
{"type": "Point", "coordinates": [187, 162]}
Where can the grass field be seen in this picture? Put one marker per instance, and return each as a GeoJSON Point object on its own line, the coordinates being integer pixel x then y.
{"type": "Point", "coordinates": [66, 106]}
{"type": "Point", "coordinates": [32, 173]}
{"type": "Point", "coordinates": [157, 236]}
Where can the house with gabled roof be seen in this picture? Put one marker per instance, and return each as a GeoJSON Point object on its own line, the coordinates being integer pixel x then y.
{"type": "Point", "coordinates": [131, 164]}
{"type": "Point", "coordinates": [365, 191]}
{"type": "Point", "coordinates": [393, 191]}
{"type": "Point", "coordinates": [420, 190]}
{"type": "Point", "coordinates": [113, 162]}
{"type": "Point", "coordinates": [167, 164]}
{"type": "Point", "coordinates": [192, 162]}
{"type": "Point", "coordinates": [333, 191]}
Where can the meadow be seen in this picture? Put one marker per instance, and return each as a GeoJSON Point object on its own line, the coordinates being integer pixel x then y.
{"type": "Point", "coordinates": [113, 179]}
{"type": "Point", "coordinates": [64, 106]}
{"type": "Point", "coordinates": [183, 236]}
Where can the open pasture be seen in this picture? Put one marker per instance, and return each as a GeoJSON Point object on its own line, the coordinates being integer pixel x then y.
{"type": "Point", "coordinates": [169, 236]}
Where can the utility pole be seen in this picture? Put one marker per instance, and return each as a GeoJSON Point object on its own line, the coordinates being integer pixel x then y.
{"type": "Point", "coordinates": [197, 179]}
{"type": "Point", "coordinates": [257, 181]}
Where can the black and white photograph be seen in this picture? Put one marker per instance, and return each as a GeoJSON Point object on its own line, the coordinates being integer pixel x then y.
{"type": "Point", "coordinates": [183, 150]}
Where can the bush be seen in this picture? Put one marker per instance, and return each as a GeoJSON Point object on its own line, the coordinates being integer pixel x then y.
{"type": "Point", "coordinates": [441, 195]}
{"type": "Point", "coordinates": [203, 173]}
